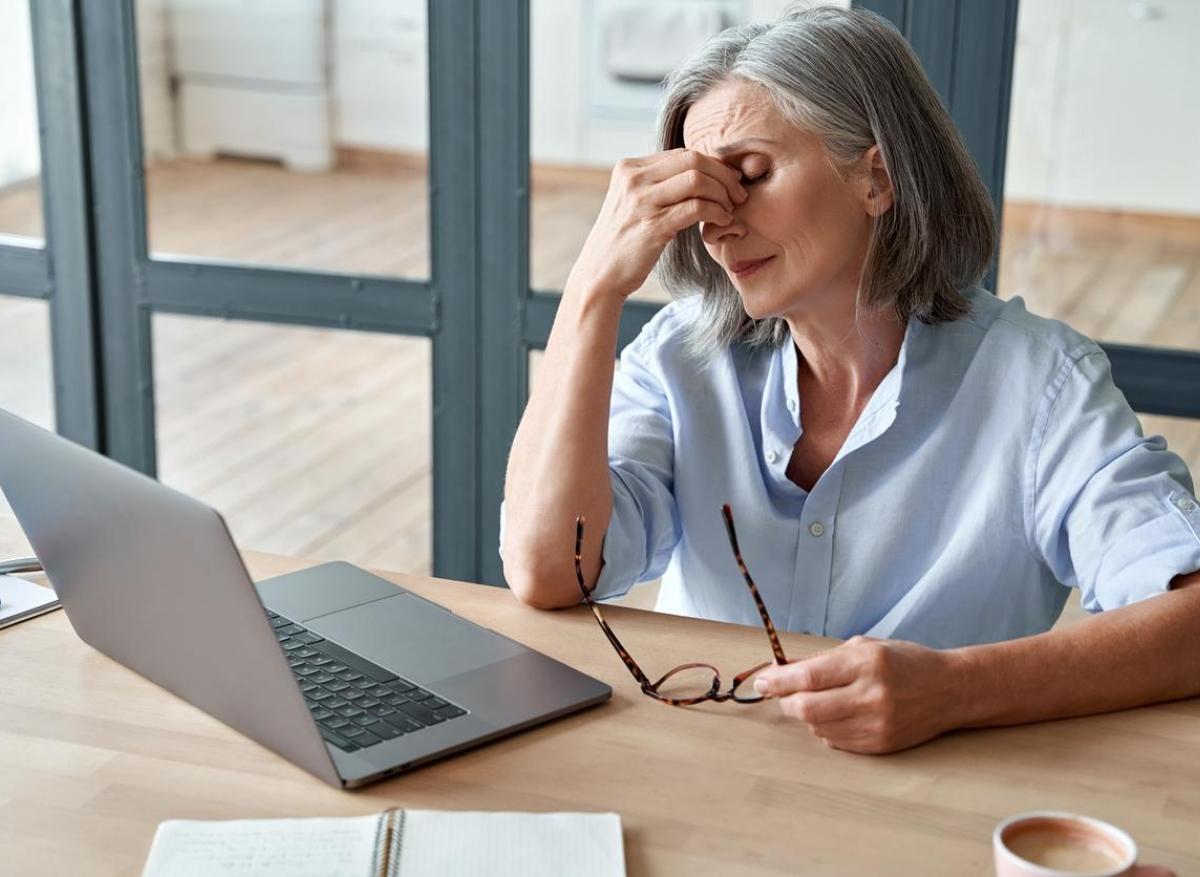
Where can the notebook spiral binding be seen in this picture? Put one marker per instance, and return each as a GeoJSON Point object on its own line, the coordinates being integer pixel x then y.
{"type": "Point", "coordinates": [389, 842]}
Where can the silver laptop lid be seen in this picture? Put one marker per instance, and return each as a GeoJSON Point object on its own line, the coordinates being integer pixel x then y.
{"type": "Point", "coordinates": [151, 578]}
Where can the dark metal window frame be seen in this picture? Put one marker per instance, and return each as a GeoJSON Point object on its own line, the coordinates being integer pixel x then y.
{"type": "Point", "coordinates": [444, 308]}
{"type": "Point", "coordinates": [105, 287]}
{"type": "Point", "coordinates": [476, 307]}
{"type": "Point", "coordinates": [60, 270]}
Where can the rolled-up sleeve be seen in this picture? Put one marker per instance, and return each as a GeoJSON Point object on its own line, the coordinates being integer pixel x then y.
{"type": "Point", "coordinates": [644, 528]}
{"type": "Point", "coordinates": [1110, 511]}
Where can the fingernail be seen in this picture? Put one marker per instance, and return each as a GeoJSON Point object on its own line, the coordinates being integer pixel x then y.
{"type": "Point", "coordinates": [761, 686]}
{"type": "Point", "coordinates": [742, 191]}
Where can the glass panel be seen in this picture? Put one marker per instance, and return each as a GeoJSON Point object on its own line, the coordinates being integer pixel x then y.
{"type": "Point", "coordinates": [317, 443]}
{"type": "Point", "coordinates": [283, 133]}
{"type": "Point", "coordinates": [1101, 219]}
{"type": "Point", "coordinates": [595, 95]}
{"type": "Point", "coordinates": [26, 388]}
{"type": "Point", "coordinates": [20, 158]}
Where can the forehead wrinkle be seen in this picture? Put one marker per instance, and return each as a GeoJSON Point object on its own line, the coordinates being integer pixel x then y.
{"type": "Point", "coordinates": [726, 121]}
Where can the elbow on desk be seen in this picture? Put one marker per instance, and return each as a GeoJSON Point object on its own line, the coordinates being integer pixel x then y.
{"type": "Point", "coordinates": [539, 587]}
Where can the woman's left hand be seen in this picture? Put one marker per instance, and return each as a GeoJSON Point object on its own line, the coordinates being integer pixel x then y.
{"type": "Point", "coordinates": [869, 695]}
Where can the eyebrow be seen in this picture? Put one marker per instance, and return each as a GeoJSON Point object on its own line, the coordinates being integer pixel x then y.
{"type": "Point", "coordinates": [738, 147]}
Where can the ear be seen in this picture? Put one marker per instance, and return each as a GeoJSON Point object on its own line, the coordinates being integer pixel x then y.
{"type": "Point", "coordinates": [877, 183]}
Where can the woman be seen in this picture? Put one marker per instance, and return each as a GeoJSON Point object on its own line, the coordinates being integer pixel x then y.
{"type": "Point", "coordinates": [907, 457]}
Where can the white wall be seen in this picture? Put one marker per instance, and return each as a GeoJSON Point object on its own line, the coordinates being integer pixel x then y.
{"type": "Point", "coordinates": [20, 157]}
{"type": "Point", "coordinates": [1105, 113]}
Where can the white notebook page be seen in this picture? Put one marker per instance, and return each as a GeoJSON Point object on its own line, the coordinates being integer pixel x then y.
{"type": "Point", "coordinates": [335, 847]}
{"type": "Point", "coordinates": [440, 842]}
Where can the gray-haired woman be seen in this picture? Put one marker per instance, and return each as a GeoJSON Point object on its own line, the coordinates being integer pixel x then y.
{"type": "Point", "coordinates": [907, 456]}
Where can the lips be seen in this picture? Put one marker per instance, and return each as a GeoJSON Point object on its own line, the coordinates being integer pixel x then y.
{"type": "Point", "coordinates": [746, 267]}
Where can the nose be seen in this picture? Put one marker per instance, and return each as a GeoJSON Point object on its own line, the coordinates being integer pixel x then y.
{"type": "Point", "coordinates": [712, 234]}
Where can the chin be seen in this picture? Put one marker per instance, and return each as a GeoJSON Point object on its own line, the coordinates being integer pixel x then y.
{"type": "Point", "coordinates": [756, 314]}
{"type": "Point", "coordinates": [759, 305]}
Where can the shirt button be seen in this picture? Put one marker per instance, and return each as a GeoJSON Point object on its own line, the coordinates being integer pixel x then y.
{"type": "Point", "coordinates": [816, 528]}
{"type": "Point", "coordinates": [1184, 504]}
{"type": "Point", "coordinates": [792, 405]}
{"type": "Point", "coordinates": [772, 456]}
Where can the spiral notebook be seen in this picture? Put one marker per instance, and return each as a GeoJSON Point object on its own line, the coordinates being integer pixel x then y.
{"type": "Point", "coordinates": [395, 843]}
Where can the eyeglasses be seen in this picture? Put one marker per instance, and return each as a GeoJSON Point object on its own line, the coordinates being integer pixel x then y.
{"type": "Point", "coordinates": [681, 681]}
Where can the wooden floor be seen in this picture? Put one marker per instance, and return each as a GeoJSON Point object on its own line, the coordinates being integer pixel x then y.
{"type": "Point", "coordinates": [317, 442]}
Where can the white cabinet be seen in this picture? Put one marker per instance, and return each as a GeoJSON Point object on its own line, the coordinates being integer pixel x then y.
{"type": "Point", "coordinates": [272, 42]}
{"type": "Point", "coordinates": [380, 81]}
{"type": "Point", "coordinates": [253, 79]}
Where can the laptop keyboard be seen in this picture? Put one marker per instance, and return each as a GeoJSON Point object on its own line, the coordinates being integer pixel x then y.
{"type": "Point", "coordinates": [356, 703]}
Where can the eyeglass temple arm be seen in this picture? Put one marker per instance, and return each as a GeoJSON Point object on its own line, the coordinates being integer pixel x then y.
{"type": "Point", "coordinates": [641, 677]}
{"type": "Point", "coordinates": [780, 657]}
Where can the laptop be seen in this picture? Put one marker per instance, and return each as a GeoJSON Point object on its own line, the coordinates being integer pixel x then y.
{"type": "Point", "coordinates": [342, 673]}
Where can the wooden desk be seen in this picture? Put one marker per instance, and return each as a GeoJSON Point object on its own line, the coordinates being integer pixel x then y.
{"type": "Point", "coordinates": [92, 757]}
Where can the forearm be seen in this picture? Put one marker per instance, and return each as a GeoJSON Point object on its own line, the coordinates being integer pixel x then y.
{"type": "Point", "coordinates": [558, 467]}
{"type": "Point", "coordinates": [1144, 653]}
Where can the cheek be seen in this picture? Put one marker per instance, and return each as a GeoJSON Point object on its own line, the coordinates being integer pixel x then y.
{"type": "Point", "coordinates": [821, 223]}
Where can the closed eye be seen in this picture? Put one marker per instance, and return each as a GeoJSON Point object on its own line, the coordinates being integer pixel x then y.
{"type": "Point", "coordinates": [750, 181]}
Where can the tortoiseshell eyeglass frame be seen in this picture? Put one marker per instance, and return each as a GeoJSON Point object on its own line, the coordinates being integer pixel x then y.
{"type": "Point", "coordinates": [714, 693]}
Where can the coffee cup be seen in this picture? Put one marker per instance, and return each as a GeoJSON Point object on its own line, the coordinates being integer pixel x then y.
{"type": "Point", "coordinates": [1054, 844]}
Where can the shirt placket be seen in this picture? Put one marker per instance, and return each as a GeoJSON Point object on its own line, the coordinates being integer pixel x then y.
{"type": "Point", "coordinates": [813, 574]}
{"type": "Point", "coordinates": [812, 577]}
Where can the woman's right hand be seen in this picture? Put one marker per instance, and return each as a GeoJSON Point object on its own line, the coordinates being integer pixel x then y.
{"type": "Point", "coordinates": [649, 201]}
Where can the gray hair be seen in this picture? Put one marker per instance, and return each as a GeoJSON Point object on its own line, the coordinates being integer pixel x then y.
{"type": "Point", "coordinates": [848, 77]}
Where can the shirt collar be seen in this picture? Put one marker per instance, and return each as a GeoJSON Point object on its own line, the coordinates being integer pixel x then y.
{"type": "Point", "coordinates": [880, 410]}
{"type": "Point", "coordinates": [888, 391]}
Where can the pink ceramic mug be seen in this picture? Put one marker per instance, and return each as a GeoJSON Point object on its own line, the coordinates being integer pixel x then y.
{"type": "Point", "coordinates": [1054, 844]}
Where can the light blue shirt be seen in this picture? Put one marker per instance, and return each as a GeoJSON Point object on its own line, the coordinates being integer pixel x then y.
{"type": "Point", "coordinates": [995, 466]}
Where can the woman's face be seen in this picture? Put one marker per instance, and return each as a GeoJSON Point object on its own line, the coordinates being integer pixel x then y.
{"type": "Point", "coordinates": [796, 246]}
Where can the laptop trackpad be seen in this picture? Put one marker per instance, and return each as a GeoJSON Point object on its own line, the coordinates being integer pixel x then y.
{"type": "Point", "coordinates": [414, 638]}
